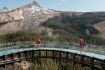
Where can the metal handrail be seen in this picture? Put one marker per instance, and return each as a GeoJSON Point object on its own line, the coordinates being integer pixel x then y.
{"type": "Point", "coordinates": [65, 45]}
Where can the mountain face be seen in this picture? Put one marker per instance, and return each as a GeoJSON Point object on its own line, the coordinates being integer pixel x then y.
{"type": "Point", "coordinates": [58, 25]}
{"type": "Point", "coordinates": [71, 26]}
{"type": "Point", "coordinates": [101, 28]}
{"type": "Point", "coordinates": [28, 18]}
{"type": "Point", "coordinates": [10, 16]}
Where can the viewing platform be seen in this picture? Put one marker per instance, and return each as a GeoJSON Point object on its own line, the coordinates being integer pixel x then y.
{"type": "Point", "coordinates": [68, 53]}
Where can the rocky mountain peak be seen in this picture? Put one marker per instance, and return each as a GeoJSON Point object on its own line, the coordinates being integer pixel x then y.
{"type": "Point", "coordinates": [28, 18]}
{"type": "Point", "coordinates": [32, 6]}
{"type": "Point", "coordinates": [35, 4]}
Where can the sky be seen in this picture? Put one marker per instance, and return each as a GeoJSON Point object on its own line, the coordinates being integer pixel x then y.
{"type": "Point", "coordinates": [63, 5]}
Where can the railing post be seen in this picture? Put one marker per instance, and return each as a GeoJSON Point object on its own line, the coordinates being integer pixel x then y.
{"type": "Point", "coordinates": [53, 54]}
{"type": "Point", "coordinates": [60, 57]}
{"type": "Point", "coordinates": [103, 65]}
{"type": "Point", "coordinates": [26, 55]}
{"type": "Point", "coordinates": [82, 60]}
{"type": "Point", "coordinates": [74, 60]}
{"type": "Point", "coordinates": [12, 59]}
{"type": "Point", "coordinates": [46, 55]}
{"type": "Point", "coordinates": [92, 63]}
{"type": "Point", "coordinates": [4, 59]}
{"type": "Point", "coordinates": [67, 56]}
{"type": "Point", "coordinates": [39, 56]}
{"type": "Point", "coordinates": [32, 53]}
{"type": "Point", "coordinates": [25, 52]}
{"type": "Point", "coordinates": [19, 54]}
{"type": "Point", "coordinates": [39, 53]}
{"type": "Point", "coordinates": [33, 60]}
{"type": "Point", "coordinates": [12, 56]}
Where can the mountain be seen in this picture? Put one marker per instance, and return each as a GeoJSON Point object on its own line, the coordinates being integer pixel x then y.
{"type": "Point", "coordinates": [27, 18]}
{"type": "Point", "coordinates": [31, 21]}
{"type": "Point", "coordinates": [75, 25]}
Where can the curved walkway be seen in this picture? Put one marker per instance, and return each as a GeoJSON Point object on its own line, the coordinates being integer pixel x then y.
{"type": "Point", "coordinates": [98, 56]}
{"type": "Point", "coordinates": [81, 57]}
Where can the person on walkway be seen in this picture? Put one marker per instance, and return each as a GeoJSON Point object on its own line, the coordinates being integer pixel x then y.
{"type": "Point", "coordinates": [37, 42]}
{"type": "Point", "coordinates": [82, 43]}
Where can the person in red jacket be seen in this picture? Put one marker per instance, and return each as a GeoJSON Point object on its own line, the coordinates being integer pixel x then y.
{"type": "Point", "coordinates": [82, 43]}
{"type": "Point", "coordinates": [37, 42]}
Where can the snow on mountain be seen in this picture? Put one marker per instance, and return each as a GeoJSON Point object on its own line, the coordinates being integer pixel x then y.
{"type": "Point", "coordinates": [28, 17]}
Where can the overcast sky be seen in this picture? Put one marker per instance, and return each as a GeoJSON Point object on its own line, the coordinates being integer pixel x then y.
{"type": "Point", "coordinates": [65, 5]}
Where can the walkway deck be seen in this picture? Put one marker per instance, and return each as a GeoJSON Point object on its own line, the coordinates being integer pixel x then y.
{"type": "Point", "coordinates": [98, 56]}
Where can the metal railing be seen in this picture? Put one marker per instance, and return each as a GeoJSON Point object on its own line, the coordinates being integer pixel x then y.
{"type": "Point", "coordinates": [55, 54]}
{"type": "Point", "coordinates": [99, 49]}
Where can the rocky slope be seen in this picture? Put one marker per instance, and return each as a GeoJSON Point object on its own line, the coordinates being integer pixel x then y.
{"type": "Point", "coordinates": [28, 18]}
{"type": "Point", "coordinates": [10, 16]}
{"type": "Point", "coordinates": [101, 28]}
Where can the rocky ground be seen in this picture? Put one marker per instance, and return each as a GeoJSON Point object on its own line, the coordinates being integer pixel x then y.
{"type": "Point", "coordinates": [24, 65]}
